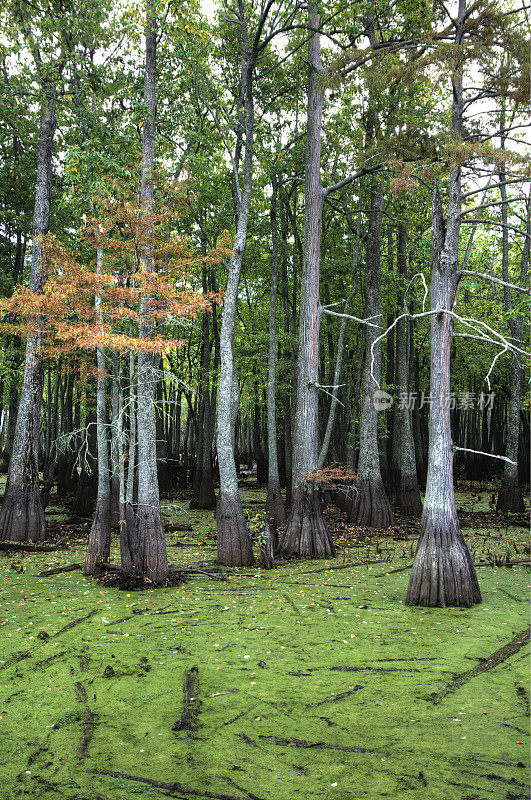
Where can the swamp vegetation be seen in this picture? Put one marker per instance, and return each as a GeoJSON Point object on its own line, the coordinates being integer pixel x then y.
{"type": "Point", "coordinates": [313, 680]}
{"type": "Point", "coordinates": [264, 275]}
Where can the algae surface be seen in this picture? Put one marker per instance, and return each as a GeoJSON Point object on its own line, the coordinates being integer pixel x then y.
{"type": "Point", "coordinates": [314, 681]}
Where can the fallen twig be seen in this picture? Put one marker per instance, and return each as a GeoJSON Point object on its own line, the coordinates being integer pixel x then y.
{"type": "Point", "coordinates": [335, 697]}
{"type": "Point", "coordinates": [86, 736]}
{"type": "Point", "coordinates": [486, 664]}
{"type": "Point", "coordinates": [191, 703]}
{"type": "Point", "coordinates": [192, 571]}
{"type": "Point", "coordinates": [344, 566]}
{"type": "Point", "coordinates": [57, 570]}
{"type": "Point", "coordinates": [295, 742]}
{"type": "Point", "coordinates": [169, 788]}
{"type": "Point", "coordinates": [28, 547]}
{"type": "Point", "coordinates": [73, 624]}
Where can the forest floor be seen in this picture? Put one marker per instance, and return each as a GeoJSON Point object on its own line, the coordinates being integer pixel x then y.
{"type": "Point", "coordinates": [315, 680]}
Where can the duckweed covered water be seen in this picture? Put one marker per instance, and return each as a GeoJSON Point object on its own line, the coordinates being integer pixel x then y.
{"type": "Point", "coordinates": [313, 684]}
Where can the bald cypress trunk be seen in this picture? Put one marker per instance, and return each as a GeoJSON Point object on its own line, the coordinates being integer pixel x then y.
{"type": "Point", "coordinates": [150, 556]}
{"type": "Point", "coordinates": [306, 533]}
{"type": "Point", "coordinates": [99, 544]}
{"type": "Point", "coordinates": [22, 514]}
{"type": "Point", "coordinates": [275, 502]}
{"type": "Point", "coordinates": [233, 538]}
{"type": "Point", "coordinates": [510, 496]}
{"type": "Point", "coordinates": [204, 494]}
{"type": "Point", "coordinates": [370, 506]}
{"type": "Point", "coordinates": [443, 572]}
{"type": "Point", "coordinates": [405, 483]}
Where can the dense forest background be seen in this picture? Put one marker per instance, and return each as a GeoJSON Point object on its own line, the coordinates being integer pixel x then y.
{"type": "Point", "coordinates": [288, 236]}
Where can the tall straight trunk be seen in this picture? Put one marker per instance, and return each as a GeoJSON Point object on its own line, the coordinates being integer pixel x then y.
{"type": "Point", "coordinates": [150, 556]}
{"type": "Point", "coordinates": [370, 506]}
{"type": "Point", "coordinates": [114, 442]}
{"type": "Point", "coordinates": [274, 503]}
{"type": "Point", "coordinates": [340, 344]}
{"type": "Point", "coordinates": [51, 455]}
{"type": "Point", "coordinates": [233, 538]}
{"type": "Point", "coordinates": [510, 496]}
{"type": "Point", "coordinates": [286, 398]}
{"type": "Point", "coordinates": [405, 483]}
{"type": "Point", "coordinates": [12, 414]}
{"type": "Point", "coordinates": [127, 531]}
{"type": "Point", "coordinates": [66, 457]}
{"type": "Point", "coordinates": [99, 544]}
{"type": "Point", "coordinates": [131, 459]}
{"type": "Point", "coordinates": [417, 420]}
{"type": "Point", "coordinates": [84, 501]}
{"type": "Point", "coordinates": [204, 496]}
{"type": "Point", "coordinates": [443, 572]}
{"type": "Point", "coordinates": [22, 514]}
{"type": "Point", "coordinates": [258, 450]}
{"type": "Point", "coordinates": [306, 533]}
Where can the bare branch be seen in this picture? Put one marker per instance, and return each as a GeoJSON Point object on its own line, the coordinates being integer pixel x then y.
{"type": "Point", "coordinates": [365, 171]}
{"type": "Point", "coordinates": [349, 316]}
{"type": "Point", "coordinates": [498, 339]}
{"type": "Point", "coordinates": [492, 279]}
{"type": "Point", "coordinates": [481, 453]}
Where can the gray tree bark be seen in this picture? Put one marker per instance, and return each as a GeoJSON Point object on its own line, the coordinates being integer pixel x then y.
{"type": "Point", "coordinates": [443, 572]}
{"type": "Point", "coordinates": [370, 506]}
{"type": "Point", "coordinates": [150, 556]}
{"type": "Point", "coordinates": [306, 533]}
{"type": "Point", "coordinates": [510, 496]}
{"type": "Point", "coordinates": [99, 544]}
{"type": "Point", "coordinates": [406, 488]}
{"type": "Point", "coordinates": [22, 514]}
{"type": "Point", "coordinates": [275, 502]}
{"type": "Point", "coordinates": [233, 538]}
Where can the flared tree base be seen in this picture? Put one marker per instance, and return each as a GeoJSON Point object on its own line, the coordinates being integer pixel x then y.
{"type": "Point", "coordinates": [99, 544]}
{"type": "Point", "coordinates": [151, 559]}
{"type": "Point", "coordinates": [233, 538]}
{"type": "Point", "coordinates": [370, 506]}
{"type": "Point", "coordinates": [275, 508]}
{"type": "Point", "coordinates": [22, 515]}
{"type": "Point", "coordinates": [307, 533]}
{"type": "Point", "coordinates": [443, 573]}
{"type": "Point", "coordinates": [510, 497]}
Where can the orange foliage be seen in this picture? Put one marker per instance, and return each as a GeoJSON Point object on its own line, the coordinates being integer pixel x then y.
{"type": "Point", "coordinates": [330, 477]}
{"type": "Point", "coordinates": [66, 314]}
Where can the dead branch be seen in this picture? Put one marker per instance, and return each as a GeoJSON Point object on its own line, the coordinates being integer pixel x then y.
{"type": "Point", "coordinates": [496, 658]}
